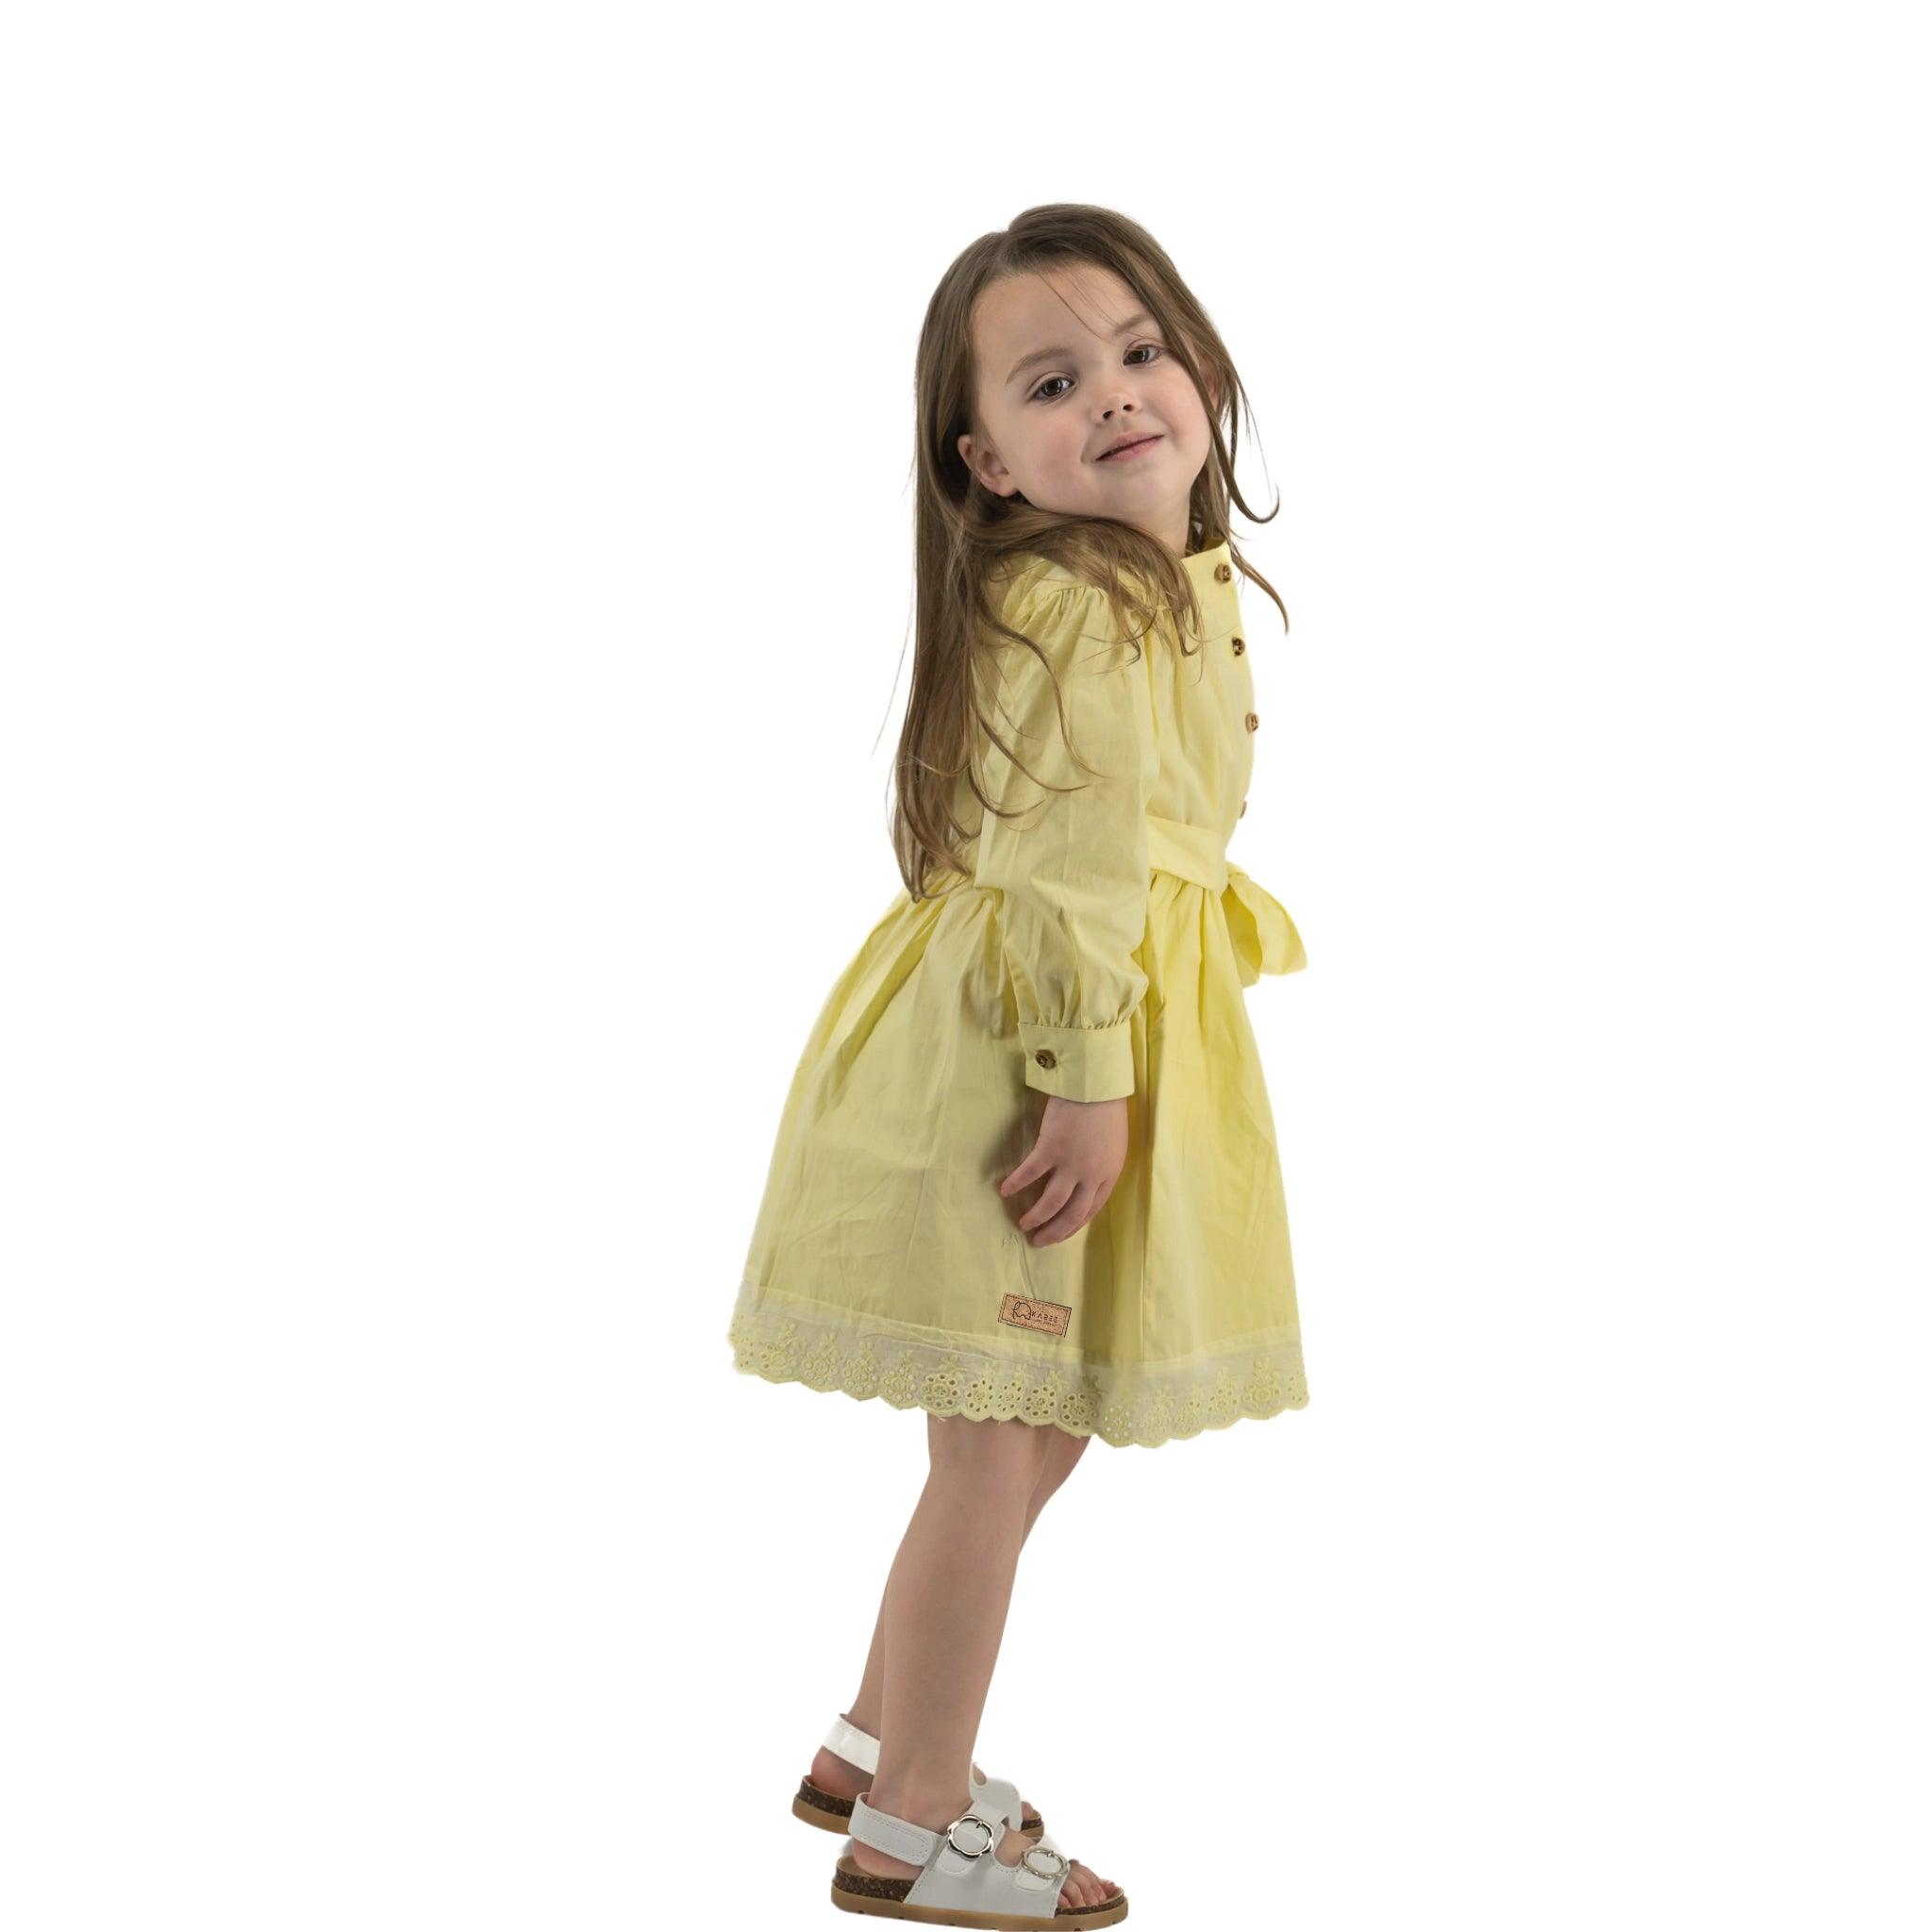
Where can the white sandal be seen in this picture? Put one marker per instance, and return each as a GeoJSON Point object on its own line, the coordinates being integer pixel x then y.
{"type": "Point", "coordinates": [964, 1882]}
{"type": "Point", "coordinates": [830, 1813]}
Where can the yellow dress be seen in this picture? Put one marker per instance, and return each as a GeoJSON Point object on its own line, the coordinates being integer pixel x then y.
{"type": "Point", "coordinates": [1102, 947]}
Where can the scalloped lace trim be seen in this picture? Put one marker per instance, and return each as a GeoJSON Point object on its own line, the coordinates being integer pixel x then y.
{"type": "Point", "coordinates": [1138, 1404]}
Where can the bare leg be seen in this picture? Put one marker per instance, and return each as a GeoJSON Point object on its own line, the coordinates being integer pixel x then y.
{"type": "Point", "coordinates": [1062, 1452]}
{"type": "Point", "coordinates": [944, 1613]}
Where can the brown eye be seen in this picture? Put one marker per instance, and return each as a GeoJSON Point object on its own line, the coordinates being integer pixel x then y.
{"type": "Point", "coordinates": [1036, 395]}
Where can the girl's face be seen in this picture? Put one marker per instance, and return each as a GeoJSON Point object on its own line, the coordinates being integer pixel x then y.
{"type": "Point", "coordinates": [1067, 367]}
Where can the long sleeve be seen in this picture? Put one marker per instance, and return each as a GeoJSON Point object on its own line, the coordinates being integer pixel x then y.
{"type": "Point", "coordinates": [1072, 868]}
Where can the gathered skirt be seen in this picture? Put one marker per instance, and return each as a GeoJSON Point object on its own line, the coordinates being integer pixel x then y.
{"type": "Point", "coordinates": [885, 1264]}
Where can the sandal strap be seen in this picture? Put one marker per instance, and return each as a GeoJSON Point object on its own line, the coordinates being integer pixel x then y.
{"type": "Point", "coordinates": [999, 1794]}
{"type": "Point", "coordinates": [961, 1875]}
{"type": "Point", "coordinates": [898, 1838]}
{"type": "Point", "coordinates": [846, 1740]}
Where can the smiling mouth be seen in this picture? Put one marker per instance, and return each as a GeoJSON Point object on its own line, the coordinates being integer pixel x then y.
{"type": "Point", "coordinates": [1127, 449]}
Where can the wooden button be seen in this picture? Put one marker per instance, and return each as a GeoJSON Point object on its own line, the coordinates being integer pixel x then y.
{"type": "Point", "coordinates": [1222, 572]}
{"type": "Point", "coordinates": [1238, 647]}
{"type": "Point", "coordinates": [1252, 720]}
{"type": "Point", "coordinates": [1243, 812]}
{"type": "Point", "coordinates": [1044, 1058]}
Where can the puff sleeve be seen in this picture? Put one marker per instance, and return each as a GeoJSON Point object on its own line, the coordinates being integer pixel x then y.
{"type": "Point", "coordinates": [1071, 870]}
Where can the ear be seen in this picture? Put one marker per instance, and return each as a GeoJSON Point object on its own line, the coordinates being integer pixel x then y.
{"type": "Point", "coordinates": [985, 467]}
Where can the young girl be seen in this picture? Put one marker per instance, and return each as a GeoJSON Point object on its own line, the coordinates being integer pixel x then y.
{"type": "Point", "coordinates": [1026, 1178]}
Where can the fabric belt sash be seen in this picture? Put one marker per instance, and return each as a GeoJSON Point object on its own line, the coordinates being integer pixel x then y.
{"type": "Point", "coordinates": [1264, 936]}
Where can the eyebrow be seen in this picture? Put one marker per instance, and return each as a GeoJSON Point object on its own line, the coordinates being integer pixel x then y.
{"type": "Point", "coordinates": [1132, 323]}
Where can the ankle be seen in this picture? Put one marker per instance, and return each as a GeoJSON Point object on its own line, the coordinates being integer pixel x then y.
{"type": "Point", "coordinates": [929, 1804]}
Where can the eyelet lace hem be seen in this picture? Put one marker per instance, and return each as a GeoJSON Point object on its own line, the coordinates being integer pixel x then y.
{"type": "Point", "coordinates": [1137, 1404]}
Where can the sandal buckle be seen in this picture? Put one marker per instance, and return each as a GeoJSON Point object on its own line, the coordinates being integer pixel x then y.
{"type": "Point", "coordinates": [969, 1851]}
{"type": "Point", "coordinates": [1032, 1852]}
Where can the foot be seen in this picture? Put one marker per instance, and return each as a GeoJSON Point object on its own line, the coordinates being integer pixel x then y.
{"type": "Point", "coordinates": [1083, 1887]}
{"type": "Point", "coordinates": [844, 1779]}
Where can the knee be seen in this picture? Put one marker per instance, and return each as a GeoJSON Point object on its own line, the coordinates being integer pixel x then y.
{"type": "Point", "coordinates": [1007, 1456]}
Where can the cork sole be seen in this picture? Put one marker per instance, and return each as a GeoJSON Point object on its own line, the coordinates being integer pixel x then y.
{"type": "Point", "coordinates": [830, 1813]}
{"type": "Point", "coordinates": [855, 1889]}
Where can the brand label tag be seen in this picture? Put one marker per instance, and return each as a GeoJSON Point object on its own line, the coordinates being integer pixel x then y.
{"type": "Point", "coordinates": [1049, 1318]}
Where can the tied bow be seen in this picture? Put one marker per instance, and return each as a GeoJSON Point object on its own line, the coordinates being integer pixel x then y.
{"type": "Point", "coordinates": [1265, 939]}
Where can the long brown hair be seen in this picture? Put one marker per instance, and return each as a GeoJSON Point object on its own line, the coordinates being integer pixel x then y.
{"type": "Point", "coordinates": [964, 535]}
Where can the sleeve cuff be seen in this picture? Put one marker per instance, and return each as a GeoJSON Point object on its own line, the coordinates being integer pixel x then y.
{"type": "Point", "coordinates": [1079, 1062]}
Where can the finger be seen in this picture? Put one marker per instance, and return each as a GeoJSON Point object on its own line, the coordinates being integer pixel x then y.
{"type": "Point", "coordinates": [1077, 1212]}
{"type": "Point", "coordinates": [1027, 1172]}
{"type": "Point", "coordinates": [1052, 1197]}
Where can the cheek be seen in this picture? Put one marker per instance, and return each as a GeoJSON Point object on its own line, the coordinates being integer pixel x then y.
{"type": "Point", "coordinates": [1063, 444]}
{"type": "Point", "coordinates": [1183, 407]}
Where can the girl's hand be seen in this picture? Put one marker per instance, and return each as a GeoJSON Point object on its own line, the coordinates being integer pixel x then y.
{"type": "Point", "coordinates": [1081, 1148]}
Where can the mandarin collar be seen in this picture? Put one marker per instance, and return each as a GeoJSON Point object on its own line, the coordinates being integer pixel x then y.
{"type": "Point", "coordinates": [1212, 575]}
{"type": "Point", "coordinates": [1205, 567]}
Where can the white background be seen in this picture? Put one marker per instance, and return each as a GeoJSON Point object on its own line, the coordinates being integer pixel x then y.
{"type": "Point", "coordinates": [456, 582]}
